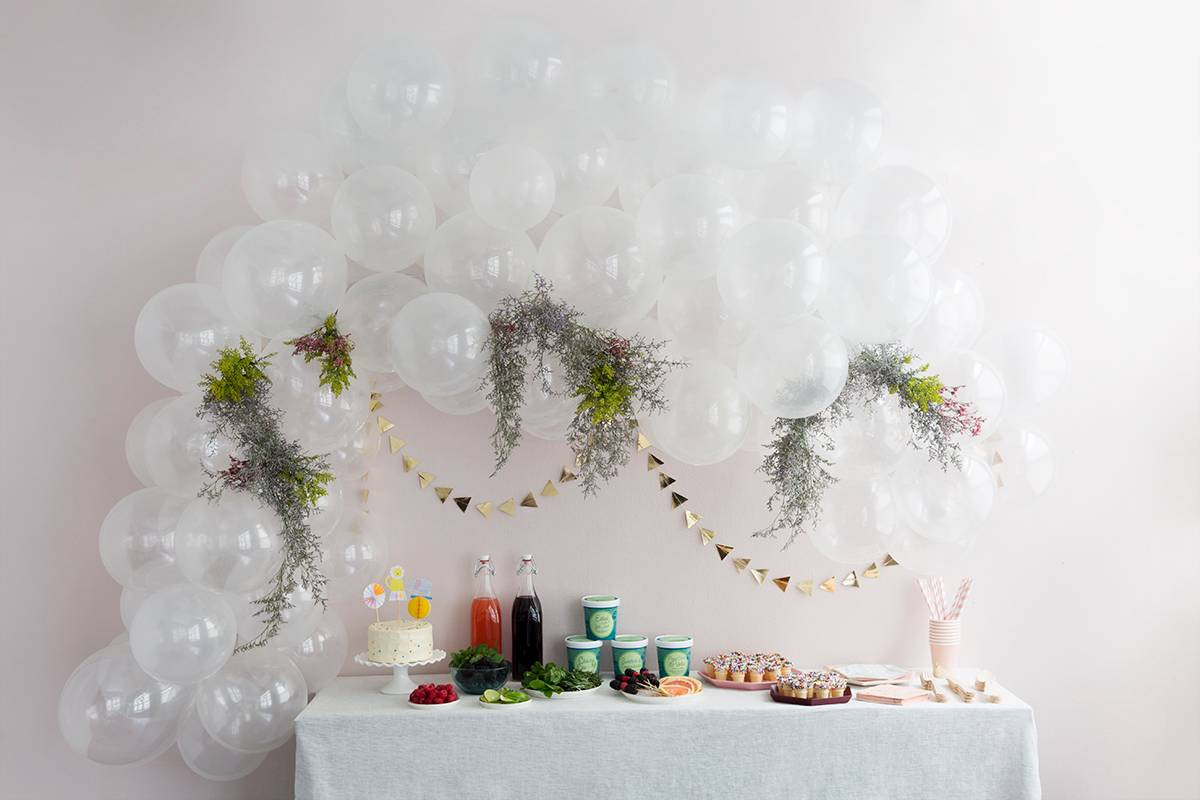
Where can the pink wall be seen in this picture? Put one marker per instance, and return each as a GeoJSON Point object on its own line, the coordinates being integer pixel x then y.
{"type": "Point", "coordinates": [120, 131]}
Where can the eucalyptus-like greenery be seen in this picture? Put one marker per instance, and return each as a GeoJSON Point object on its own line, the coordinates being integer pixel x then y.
{"type": "Point", "coordinates": [796, 464]}
{"type": "Point", "coordinates": [277, 471]}
{"type": "Point", "coordinates": [333, 347]}
{"type": "Point", "coordinates": [615, 378]}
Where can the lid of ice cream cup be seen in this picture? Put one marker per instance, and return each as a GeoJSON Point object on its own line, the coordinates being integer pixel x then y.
{"type": "Point", "coordinates": [671, 641]}
{"type": "Point", "coordinates": [600, 601]}
{"type": "Point", "coordinates": [629, 641]}
{"type": "Point", "coordinates": [580, 642]}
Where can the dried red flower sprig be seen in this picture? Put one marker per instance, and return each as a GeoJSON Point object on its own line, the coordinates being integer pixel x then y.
{"type": "Point", "coordinates": [333, 348]}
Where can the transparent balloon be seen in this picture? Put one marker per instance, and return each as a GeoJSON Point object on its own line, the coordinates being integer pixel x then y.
{"type": "Point", "coordinates": [839, 128]}
{"type": "Point", "coordinates": [871, 441]}
{"type": "Point", "coordinates": [483, 263]}
{"type": "Point", "coordinates": [771, 271]}
{"type": "Point", "coordinates": [135, 440]}
{"type": "Point", "coordinates": [340, 131]}
{"type": "Point", "coordinates": [183, 634]}
{"type": "Point", "coordinates": [749, 123]}
{"type": "Point", "coordinates": [207, 757]}
{"type": "Point", "coordinates": [954, 321]}
{"type": "Point", "coordinates": [707, 415]}
{"type": "Point", "coordinates": [925, 555]}
{"type": "Point", "coordinates": [291, 175]}
{"type": "Point", "coordinates": [321, 654]}
{"type": "Point", "coordinates": [512, 187]}
{"type": "Point", "coordinates": [403, 90]}
{"type": "Point", "coordinates": [793, 370]}
{"type": "Point", "coordinates": [137, 539]}
{"type": "Point", "coordinates": [437, 343]}
{"type": "Point", "coordinates": [697, 321]}
{"type": "Point", "coordinates": [383, 217]}
{"type": "Point", "coordinates": [632, 86]}
{"type": "Point", "coordinates": [1034, 361]}
{"type": "Point", "coordinates": [180, 331]}
{"type": "Point", "coordinates": [354, 554]}
{"type": "Point", "coordinates": [1023, 462]}
{"type": "Point", "coordinates": [111, 712]}
{"type": "Point", "coordinates": [595, 262]}
{"type": "Point", "coordinates": [684, 221]}
{"type": "Point", "coordinates": [299, 621]}
{"type": "Point", "coordinates": [981, 385]}
{"type": "Point", "coordinates": [324, 518]}
{"type": "Point", "coordinates": [181, 449]}
{"type": "Point", "coordinates": [312, 413]}
{"type": "Point", "coordinates": [445, 165]}
{"type": "Point", "coordinates": [353, 459]}
{"type": "Point", "coordinates": [858, 520]}
{"type": "Point", "coordinates": [367, 312]}
{"type": "Point", "coordinates": [231, 544]}
{"type": "Point", "coordinates": [944, 504]}
{"type": "Point", "coordinates": [549, 403]}
{"type": "Point", "coordinates": [131, 601]}
{"type": "Point", "coordinates": [585, 161]}
{"type": "Point", "coordinates": [471, 401]}
{"type": "Point", "coordinates": [519, 69]}
{"type": "Point", "coordinates": [877, 290]}
{"type": "Point", "coordinates": [210, 266]}
{"type": "Point", "coordinates": [283, 278]}
{"type": "Point", "coordinates": [251, 704]}
{"type": "Point", "coordinates": [786, 191]}
{"type": "Point", "coordinates": [897, 201]}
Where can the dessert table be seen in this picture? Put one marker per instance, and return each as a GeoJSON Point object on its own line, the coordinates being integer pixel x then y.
{"type": "Point", "coordinates": [352, 741]}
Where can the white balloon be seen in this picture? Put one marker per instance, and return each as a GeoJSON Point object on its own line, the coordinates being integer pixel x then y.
{"type": "Point", "coordinates": [954, 321]}
{"type": "Point", "coordinates": [871, 441]}
{"type": "Point", "coordinates": [750, 123]}
{"type": "Point", "coordinates": [707, 415]}
{"type": "Point", "coordinates": [251, 704]}
{"type": "Point", "coordinates": [330, 506]}
{"type": "Point", "coordinates": [839, 128]}
{"type": "Point", "coordinates": [684, 221]}
{"type": "Point", "coordinates": [445, 165]}
{"type": "Point", "coordinates": [466, 402]}
{"type": "Point", "coordinates": [382, 218]}
{"type": "Point", "coordinates": [135, 440]}
{"type": "Point", "coordinates": [593, 258]}
{"type": "Point", "coordinates": [437, 343]}
{"type": "Point", "coordinates": [981, 385]}
{"type": "Point", "coordinates": [229, 545]}
{"type": "Point", "coordinates": [786, 191]}
{"type": "Point", "coordinates": [183, 634]}
{"type": "Point", "coordinates": [1023, 462]}
{"type": "Point", "coordinates": [207, 757]}
{"type": "Point", "coordinates": [519, 70]}
{"type": "Point", "coordinates": [283, 278]}
{"type": "Point", "coordinates": [550, 402]}
{"type": "Point", "coordinates": [925, 555]}
{"type": "Point", "coordinates": [585, 162]}
{"type": "Point", "coordinates": [352, 460]}
{"type": "Point", "coordinates": [632, 86]}
{"type": "Point", "coordinates": [131, 601]}
{"type": "Point", "coordinates": [111, 712]}
{"type": "Point", "coordinates": [512, 187]}
{"type": "Point", "coordinates": [793, 370]}
{"type": "Point", "coordinates": [771, 271]}
{"type": "Point", "coordinates": [291, 175]}
{"type": "Point", "coordinates": [400, 90]}
{"type": "Point", "coordinates": [321, 654]}
{"type": "Point", "coordinates": [340, 132]}
{"type": "Point", "coordinates": [943, 504]}
{"type": "Point", "coordinates": [137, 539]}
{"type": "Point", "coordinates": [210, 266]}
{"type": "Point", "coordinates": [857, 522]}
{"type": "Point", "coordinates": [878, 288]}
{"type": "Point", "coordinates": [353, 554]}
{"type": "Point", "coordinates": [1033, 360]}
{"type": "Point", "coordinates": [180, 331]}
{"type": "Point", "coordinates": [367, 312]}
{"type": "Point", "coordinates": [479, 261]}
{"type": "Point", "coordinates": [312, 413]}
{"type": "Point", "coordinates": [181, 449]}
{"type": "Point", "coordinates": [697, 321]}
{"type": "Point", "coordinates": [896, 201]}
{"type": "Point", "coordinates": [299, 621]}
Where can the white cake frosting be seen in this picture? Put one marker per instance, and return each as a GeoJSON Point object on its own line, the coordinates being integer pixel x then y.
{"type": "Point", "coordinates": [396, 641]}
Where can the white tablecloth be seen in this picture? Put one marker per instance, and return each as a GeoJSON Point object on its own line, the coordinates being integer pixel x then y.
{"type": "Point", "coordinates": [352, 742]}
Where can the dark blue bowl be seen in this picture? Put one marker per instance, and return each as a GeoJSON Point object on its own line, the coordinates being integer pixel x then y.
{"type": "Point", "coordinates": [477, 679]}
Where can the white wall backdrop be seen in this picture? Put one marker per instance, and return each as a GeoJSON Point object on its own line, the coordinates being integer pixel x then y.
{"type": "Point", "coordinates": [1066, 136]}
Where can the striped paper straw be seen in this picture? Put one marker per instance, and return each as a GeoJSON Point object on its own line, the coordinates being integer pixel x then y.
{"type": "Point", "coordinates": [939, 595]}
{"type": "Point", "coordinates": [964, 588]}
{"type": "Point", "coordinates": [925, 591]}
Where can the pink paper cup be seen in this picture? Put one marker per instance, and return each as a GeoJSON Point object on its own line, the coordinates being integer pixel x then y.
{"type": "Point", "coordinates": [944, 656]}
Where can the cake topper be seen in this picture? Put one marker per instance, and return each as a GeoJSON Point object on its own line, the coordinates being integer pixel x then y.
{"type": "Point", "coordinates": [374, 597]}
{"type": "Point", "coordinates": [422, 598]}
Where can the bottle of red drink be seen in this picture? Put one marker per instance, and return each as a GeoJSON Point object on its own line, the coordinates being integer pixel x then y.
{"type": "Point", "coordinates": [526, 621]}
{"type": "Point", "coordinates": [485, 608]}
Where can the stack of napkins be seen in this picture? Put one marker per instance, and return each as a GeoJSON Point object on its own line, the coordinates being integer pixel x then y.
{"type": "Point", "coordinates": [870, 674]}
{"type": "Point", "coordinates": [892, 695]}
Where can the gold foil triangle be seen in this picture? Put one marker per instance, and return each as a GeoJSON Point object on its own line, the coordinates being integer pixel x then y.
{"type": "Point", "coordinates": [760, 574]}
{"type": "Point", "coordinates": [394, 443]}
{"type": "Point", "coordinates": [806, 587]}
{"type": "Point", "coordinates": [740, 564]}
{"type": "Point", "coordinates": [366, 494]}
{"type": "Point", "coordinates": [463, 503]}
{"type": "Point", "coordinates": [410, 463]}
{"type": "Point", "coordinates": [782, 583]}
{"type": "Point", "coordinates": [425, 478]}
{"type": "Point", "coordinates": [567, 475]}
{"type": "Point", "coordinates": [664, 480]}
{"type": "Point", "coordinates": [871, 571]}
{"type": "Point", "coordinates": [997, 458]}
{"type": "Point", "coordinates": [484, 508]}
{"type": "Point", "coordinates": [642, 441]}
{"type": "Point", "coordinates": [888, 561]}
{"type": "Point", "coordinates": [677, 499]}
{"type": "Point", "coordinates": [691, 517]}
{"type": "Point", "coordinates": [376, 395]}
{"type": "Point", "coordinates": [376, 404]}
{"type": "Point", "coordinates": [706, 535]}
{"type": "Point", "coordinates": [851, 579]}
{"type": "Point", "coordinates": [723, 550]}
{"type": "Point", "coordinates": [443, 492]}
{"type": "Point", "coordinates": [653, 462]}
{"type": "Point", "coordinates": [549, 490]}
{"type": "Point", "coordinates": [509, 507]}
{"type": "Point", "coordinates": [385, 424]}
{"type": "Point", "coordinates": [528, 501]}
{"type": "Point", "coordinates": [829, 585]}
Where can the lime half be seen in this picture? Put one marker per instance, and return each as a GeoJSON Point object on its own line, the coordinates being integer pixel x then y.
{"type": "Point", "coordinates": [491, 696]}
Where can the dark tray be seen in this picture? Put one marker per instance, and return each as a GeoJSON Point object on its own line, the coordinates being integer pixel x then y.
{"type": "Point", "coordinates": [820, 701]}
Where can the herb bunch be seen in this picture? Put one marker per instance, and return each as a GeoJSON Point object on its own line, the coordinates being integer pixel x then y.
{"type": "Point", "coordinates": [551, 679]}
{"type": "Point", "coordinates": [796, 465]}
{"type": "Point", "coordinates": [274, 469]}
{"type": "Point", "coordinates": [615, 378]}
{"type": "Point", "coordinates": [480, 655]}
{"type": "Point", "coordinates": [333, 348]}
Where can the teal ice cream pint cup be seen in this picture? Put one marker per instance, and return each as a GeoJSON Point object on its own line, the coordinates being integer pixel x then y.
{"type": "Point", "coordinates": [629, 652]}
{"type": "Point", "coordinates": [674, 654]}
{"type": "Point", "coordinates": [600, 616]}
{"type": "Point", "coordinates": [583, 653]}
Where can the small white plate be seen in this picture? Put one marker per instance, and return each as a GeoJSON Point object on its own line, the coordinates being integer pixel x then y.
{"type": "Point", "coordinates": [655, 699]}
{"type": "Point", "coordinates": [428, 706]}
{"type": "Point", "coordinates": [534, 693]}
{"type": "Point", "coordinates": [492, 706]}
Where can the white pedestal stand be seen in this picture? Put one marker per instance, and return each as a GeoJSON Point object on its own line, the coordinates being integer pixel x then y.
{"type": "Point", "coordinates": [400, 682]}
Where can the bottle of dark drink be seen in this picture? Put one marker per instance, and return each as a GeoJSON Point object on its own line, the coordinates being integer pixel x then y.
{"type": "Point", "coordinates": [526, 621]}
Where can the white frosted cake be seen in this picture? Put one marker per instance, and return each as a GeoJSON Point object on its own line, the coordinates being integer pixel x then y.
{"type": "Point", "coordinates": [396, 641]}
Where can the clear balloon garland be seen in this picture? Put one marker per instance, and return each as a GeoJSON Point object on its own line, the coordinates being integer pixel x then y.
{"type": "Point", "coordinates": [790, 269]}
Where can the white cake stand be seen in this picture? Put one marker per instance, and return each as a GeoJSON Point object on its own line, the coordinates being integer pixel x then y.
{"type": "Point", "coordinates": [400, 683]}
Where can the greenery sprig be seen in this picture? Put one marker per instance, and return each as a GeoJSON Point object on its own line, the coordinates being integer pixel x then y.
{"type": "Point", "coordinates": [274, 469]}
{"type": "Point", "coordinates": [616, 377]}
{"type": "Point", "coordinates": [333, 347]}
{"type": "Point", "coordinates": [795, 464]}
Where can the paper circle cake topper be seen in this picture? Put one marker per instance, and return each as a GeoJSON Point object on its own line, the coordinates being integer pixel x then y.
{"type": "Point", "coordinates": [422, 595]}
{"type": "Point", "coordinates": [374, 596]}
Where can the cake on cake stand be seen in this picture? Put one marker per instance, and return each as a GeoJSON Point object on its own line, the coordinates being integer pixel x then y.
{"type": "Point", "coordinates": [400, 682]}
